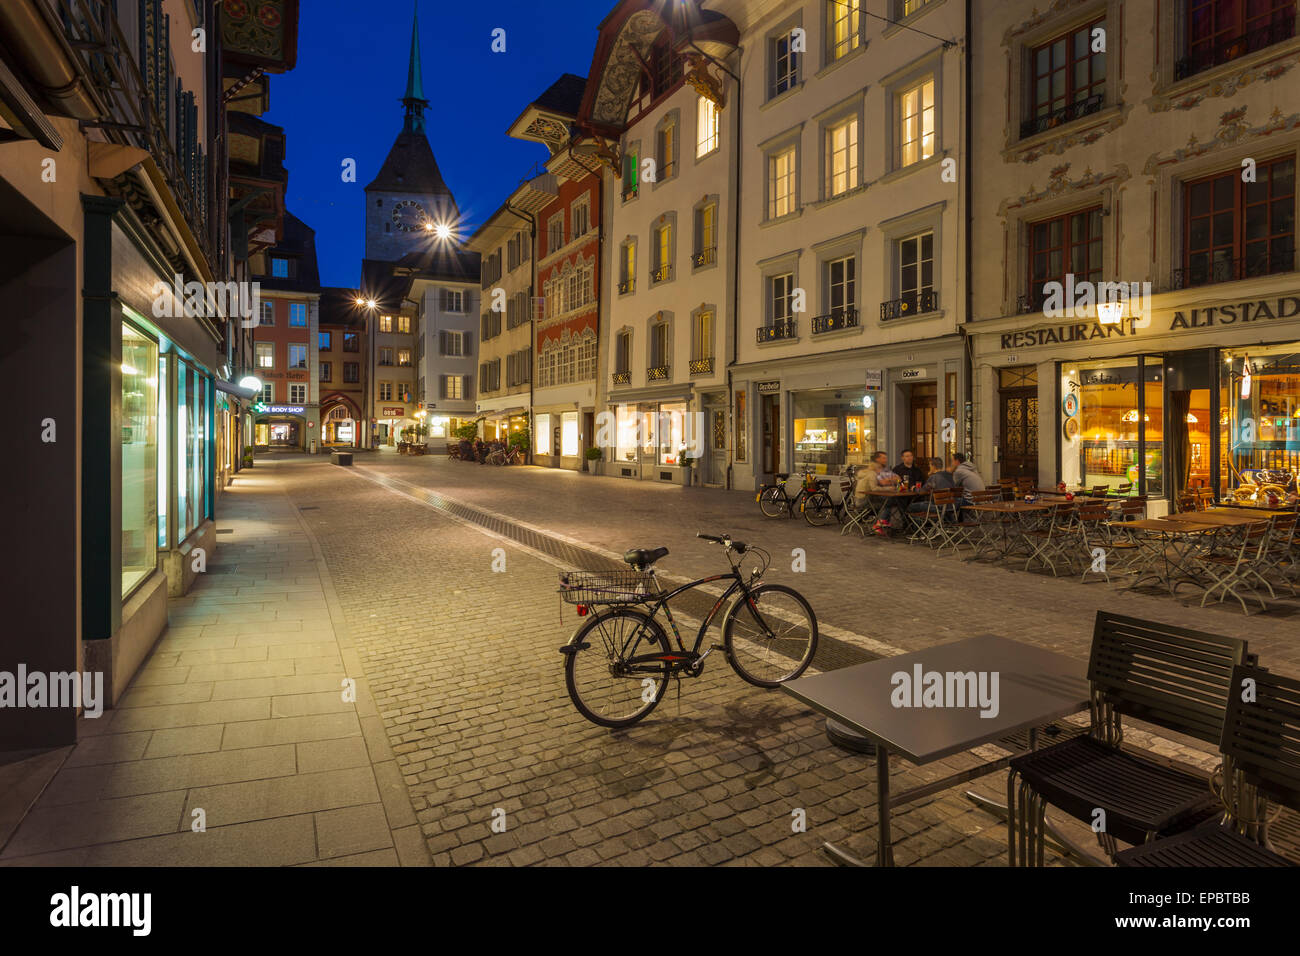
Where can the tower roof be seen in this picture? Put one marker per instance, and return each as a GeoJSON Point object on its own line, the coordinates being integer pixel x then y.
{"type": "Point", "coordinates": [414, 100]}
{"type": "Point", "coordinates": [411, 168]}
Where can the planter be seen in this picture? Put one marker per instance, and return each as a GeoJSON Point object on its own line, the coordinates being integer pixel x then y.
{"type": "Point", "coordinates": [686, 476]}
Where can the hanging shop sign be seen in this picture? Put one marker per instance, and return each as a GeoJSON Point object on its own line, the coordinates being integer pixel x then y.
{"type": "Point", "coordinates": [875, 378]}
{"type": "Point", "coordinates": [767, 388]}
{"type": "Point", "coordinates": [286, 409]}
{"type": "Point", "coordinates": [912, 374]}
{"type": "Point", "coordinates": [394, 412]}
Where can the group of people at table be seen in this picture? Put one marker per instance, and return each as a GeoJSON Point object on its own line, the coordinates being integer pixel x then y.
{"type": "Point", "coordinates": [923, 477]}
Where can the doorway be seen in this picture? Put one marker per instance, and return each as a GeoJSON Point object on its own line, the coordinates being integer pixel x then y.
{"type": "Point", "coordinates": [924, 417]}
{"type": "Point", "coordinates": [717, 466]}
{"type": "Point", "coordinates": [1018, 398]}
{"type": "Point", "coordinates": [771, 415]}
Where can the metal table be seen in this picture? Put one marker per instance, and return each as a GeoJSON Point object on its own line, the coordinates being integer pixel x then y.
{"type": "Point", "coordinates": [1035, 687]}
{"type": "Point", "coordinates": [1008, 509]}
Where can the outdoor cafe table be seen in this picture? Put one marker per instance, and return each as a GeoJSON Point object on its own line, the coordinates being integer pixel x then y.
{"type": "Point", "coordinates": [907, 495]}
{"type": "Point", "coordinates": [1035, 687]}
{"type": "Point", "coordinates": [1170, 542]}
{"type": "Point", "coordinates": [1008, 509]}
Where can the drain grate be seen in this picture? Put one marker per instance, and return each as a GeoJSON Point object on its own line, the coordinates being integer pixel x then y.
{"type": "Point", "coordinates": [225, 531]}
{"type": "Point", "coordinates": [223, 569]}
{"type": "Point", "coordinates": [310, 508]}
{"type": "Point", "coordinates": [832, 653]}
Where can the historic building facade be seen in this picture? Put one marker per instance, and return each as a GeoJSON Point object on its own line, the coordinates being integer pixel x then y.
{"type": "Point", "coordinates": [1153, 146]}
{"type": "Point", "coordinates": [661, 110]}
{"type": "Point", "coordinates": [851, 288]}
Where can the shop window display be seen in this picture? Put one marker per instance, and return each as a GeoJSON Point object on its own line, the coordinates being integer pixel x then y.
{"type": "Point", "coordinates": [833, 429]}
{"type": "Point", "coordinates": [1259, 421]}
{"type": "Point", "coordinates": [139, 457]}
{"type": "Point", "coordinates": [1105, 418]}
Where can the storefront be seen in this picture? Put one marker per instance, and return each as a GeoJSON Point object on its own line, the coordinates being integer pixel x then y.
{"type": "Point", "coordinates": [832, 429]}
{"type": "Point", "coordinates": [1198, 394]}
{"type": "Point", "coordinates": [652, 439]}
{"type": "Point", "coordinates": [281, 428]}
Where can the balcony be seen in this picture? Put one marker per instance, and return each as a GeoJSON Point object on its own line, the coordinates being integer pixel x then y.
{"type": "Point", "coordinates": [658, 373]}
{"type": "Point", "coordinates": [702, 366]}
{"type": "Point", "coordinates": [707, 257]}
{"type": "Point", "coordinates": [1032, 301]}
{"type": "Point", "coordinates": [915, 303]}
{"type": "Point", "coordinates": [629, 191]}
{"type": "Point", "coordinates": [622, 378]}
{"type": "Point", "coordinates": [626, 286]}
{"type": "Point", "coordinates": [835, 321]}
{"type": "Point", "coordinates": [1066, 114]}
{"type": "Point", "coordinates": [662, 274]}
{"type": "Point", "coordinates": [1228, 50]}
{"type": "Point", "coordinates": [780, 329]}
{"type": "Point", "coordinates": [1230, 270]}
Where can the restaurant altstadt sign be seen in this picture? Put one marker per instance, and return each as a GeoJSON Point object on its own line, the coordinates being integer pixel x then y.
{"type": "Point", "coordinates": [1283, 307]}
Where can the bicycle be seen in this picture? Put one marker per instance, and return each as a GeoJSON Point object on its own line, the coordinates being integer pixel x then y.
{"type": "Point", "coordinates": [782, 498]}
{"type": "Point", "coordinates": [618, 663]}
{"type": "Point", "coordinates": [503, 457]}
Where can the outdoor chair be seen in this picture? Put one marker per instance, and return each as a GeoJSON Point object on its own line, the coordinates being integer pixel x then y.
{"type": "Point", "coordinates": [1094, 534]}
{"type": "Point", "coordinates": [1234, 570]}
{"type": "Point", "coordinates": [931, 525]}
{"type": "Point", "coordinates": [1007, 488]}
{"type": "Point", "coordinates": [1124, 545]}
{"type": "Point", "coordinates": [1205, 498]}
{"type": "Point", "coordinates": [1172, 677]}
{"type": "Point", "coordinates": [1124, 488]}
{"type": "Point", "coordinates": [1280, 555]}
{"type": "Point", "coordinates": [1100, 491]}
{"type": "Point", "coordinates": [1026, 485]}
{"type": "Point", "coordinates": [1261, 744]}
{"type": "Point", "coordinates": [860, 514]}
{"type": "Point", "coordinates": [1187, 502]}
{"type": "Point", "coordinates": [976, 528]}
{"type": "Point", "coordinates": [1051, 540]}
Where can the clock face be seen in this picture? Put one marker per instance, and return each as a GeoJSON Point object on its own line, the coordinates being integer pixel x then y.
{"type": "Point", "coordinates": [409, 216]}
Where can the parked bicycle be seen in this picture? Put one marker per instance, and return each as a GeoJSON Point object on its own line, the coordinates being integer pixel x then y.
{"type": "Point", "coordinates": [787, 496]}
{"type": "Point", "coordinates": [504, 456]}
{"type": "Point", "coordinates": [618, 662]}
{"type": "Point", "coordinates": [828, 503]}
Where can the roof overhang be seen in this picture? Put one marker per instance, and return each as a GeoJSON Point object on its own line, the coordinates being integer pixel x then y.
{"type": "Point", "coordinates": [549, 127]}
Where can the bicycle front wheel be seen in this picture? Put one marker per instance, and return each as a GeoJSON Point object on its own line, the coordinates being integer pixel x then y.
{"type": "Point", "coordinates": [773, 502]}
{"type": "Point", "coordinates": [771, 636]}
{"type": "Point", "coordinates": [614, 674]}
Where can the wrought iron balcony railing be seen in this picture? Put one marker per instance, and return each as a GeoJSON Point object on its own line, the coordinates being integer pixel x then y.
{"type": "Point", "coordinates": [702, 366]}
{"type": "Point", "coordinates": [706, 257]}
{"type": "Point", "coordinates": [658, 373]}
{"type": "Point", "coordinates": [1225, 51]}
{"type": "Point", "coordinates": [914, 303]}
{"type": "Point", "coordinates": [622, 378]}
{"type": "Point", "coordinates": [1066, 114]}
{"type": "Point", "coordinates": [662, 274]}
{"type": "Point", "coordinates": [626, 286]}
{"type": "Point", "coordinates": [780, 329]}
{"type": "Point", "coordinates": [835, 321]}
{"type": "Point", "coordinates": [1228, 270]}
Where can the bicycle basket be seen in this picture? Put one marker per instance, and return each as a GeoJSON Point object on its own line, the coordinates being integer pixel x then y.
{"type": "Point", "coordinates": [606, 587]}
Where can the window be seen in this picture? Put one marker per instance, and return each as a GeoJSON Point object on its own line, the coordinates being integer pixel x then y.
{"type": "Point", "coordinates": [385, 323]}
{"type": "Point", "coordinates": [781, 183]}
{"type": "Point", "coordinates": [297, 356]}
{"type": "Point", "coordinates": [543, 434]}
{"type": "Point", "coordinates": [554, 232]}
{"type": "Point", "coordinates": [631, 170]}
{"type": "Point", "coordinates": [780, 297]}
{"type": "Point", "coordinates": [623, 352]}
{"type": "Point", "coordinates": [785, 63]}
{"type": "Point", "coordinates": [403, 356]}
{"type": "Point", "coordinates": [140, 433]}
{"type": "Point", "coordinates": [323, 340]}
{"type": "Point", "coordinates": [451, 343]}
{"type": "Point", "coordinates": [268, 393]}
{"type": "Point", "coordinates": [326, 371]}
{"type": "Point", "coordinates": [706, 235]}
{"type": "Point", "coordinates": [268, 312]}
{"type": "Point", "coordinates": [386, 356]}
{"type": "Point", "coordinates": [587, 357]}
{"type": "Point", "coordinates": [265, 354]}
{"type": "Point", "coordinates": [489, 325]}
{"type": "Point", "coordinates": [663, 237]}
{"type": "Point", "coordinates": [351, 342]}
{"type": "Point", "coordinates": [916, 123]}
{"type": "Point", "coordinates": [453, 386]}
{"type": "Point", "coordinates": [297, 393]}
{"type": "Point", "coordinates": [707, 127]}
{"type": "Point", "coordinates": [351, 372]}
{"type": "Point", "coordinates": [667, 157]}
{"type": "Point", "coordinates": [843, 27]}
{"type": "Point", "coordinates": [489, 376]}
{"type": "Point", "coordinates": [659, 357]}
{"type": "Point", "coordinates": [280, 268]}
{"type": "Point", "coordinates": [913, 278]}
{"type": "Point", "coordinates": [297, 315]}
{"type": "Point", "coordinates": [1222, 30]}
{"type": "Point", "coordinates": [192, 448]}
{"type": "Point", "coordinates": [842, 157]}
{"type": "Point", "coordinates": [841, 284]}
{"type": "Point", "coordinates": [581, 217]}
{"type": "Point", "coordinates": [385, 391]}
{"type": "Point", "coordinates": [628, 281]}
{"type": "Point", "coordinates": [450, 300]}
{"type": "Point", "coordinates": [404, 323]}
{"type": "Point", "coordinates": [1235, 230]}
{"type": "Point", "coordinates": [1066, 244]}
{"type": "Point", "coordinates": [702, 336]}
{"type": "Point", "coordinates": [519, 367]}
{"type": "Point", "coordinates": [1069, 80]}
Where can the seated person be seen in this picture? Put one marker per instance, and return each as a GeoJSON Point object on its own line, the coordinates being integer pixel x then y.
{"type": "Point", "coordinates": [909, 470]}
{"type": "Point", "coordinates": [940, 479]}
{"type": "Point", "coordinates": [873, 477]}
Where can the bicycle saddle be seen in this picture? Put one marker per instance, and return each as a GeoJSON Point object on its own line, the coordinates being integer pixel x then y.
{"type": "Point", "coordinates": [641, 559]}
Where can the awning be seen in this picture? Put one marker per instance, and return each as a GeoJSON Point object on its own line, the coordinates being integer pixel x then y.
{"type": "Point", "coordinates": [247, 394]}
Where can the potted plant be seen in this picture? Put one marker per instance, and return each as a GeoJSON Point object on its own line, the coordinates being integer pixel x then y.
{"type": "Point", "coordinates": [592, 464]}
{"type": "Point", "coordinates": [248, 456]}
{"type": "Point", "coordinates": [687, 464]}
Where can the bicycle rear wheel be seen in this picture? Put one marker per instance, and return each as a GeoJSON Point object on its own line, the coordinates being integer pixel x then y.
{"type": "Point", "coordinates": [610, 679]}
{"type": "Point", "coordinates": [773, 502]}
{"type": "Point", "coordinates": [818, 509]}
{"type": "Point", "coordinates": [771, 636]}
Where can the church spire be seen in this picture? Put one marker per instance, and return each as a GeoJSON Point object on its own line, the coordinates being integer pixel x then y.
{"type": "Point", "coordinates": [414, 100]}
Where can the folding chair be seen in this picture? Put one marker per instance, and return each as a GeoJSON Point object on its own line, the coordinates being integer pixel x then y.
{"type": "Point", "coordinates": [931, 525]}
{"type": "Point", "coordinates": [1050, 542]}
{"type": "Point", "coordinates": [1279, 557]}
{"type": "Point", "coordinates": [1007, 488]}
{"type": "Point", "coordinates": [1124, 488]}
{"type": "Point", "coordinates": [1261, 744]}
{"type": "Point", "coordinates": [1172, 677]}
{"type": "Point", "coordinates": [978, 528]}
{"type": "Point", "coordinates": [1231, 572]}
{"type": "Point", "coordinates": [1205, 499]}
{"type": "Point", "coordinates": [1091, 520]}
{"type": "Point", "coordinates": [861, 514]}
{"type": "Point", "coordinates": [1123, 542]}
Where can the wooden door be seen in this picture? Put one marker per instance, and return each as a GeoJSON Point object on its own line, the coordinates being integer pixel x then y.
{"type": "Point", "coordinates": [1019, 454]}
{"type": "Point", "coordinates": [771, 434]}
{"type": "Point", "coordinates": [925, 421]}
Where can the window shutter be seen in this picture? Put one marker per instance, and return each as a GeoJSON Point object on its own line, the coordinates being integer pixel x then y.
{"type": "Point", "coordinates": [442, 386]}
{"type": "Point", "coordinates": [442, 342]}
{"type": "Point", "coordinates": [467, 386]}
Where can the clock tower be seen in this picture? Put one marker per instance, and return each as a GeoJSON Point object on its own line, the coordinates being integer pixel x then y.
{"type": "Point", "coordinates": [409, 191]}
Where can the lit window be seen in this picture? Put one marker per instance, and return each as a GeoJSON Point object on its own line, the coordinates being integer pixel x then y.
{"type": "Point", "coordinates": [781, 183]}
{"type": "Point", "coordinates": [403, 356]}
{"type": "Point", "coordinates": [842, 157]}
{"type": "Point", "coordinates": [916, 123]}
{"type": "Point", "coordinates": [708, 126]}
{"type": "Point", "coordinates": [265, 355]}
{"type": "Point", "coordinates": [280, 268]}
{"type": "Point", "coordinates": [844, 31]}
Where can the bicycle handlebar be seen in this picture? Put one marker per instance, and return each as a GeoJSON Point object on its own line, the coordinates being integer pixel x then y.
{"type": "Point", "coordinates": [725, 540]}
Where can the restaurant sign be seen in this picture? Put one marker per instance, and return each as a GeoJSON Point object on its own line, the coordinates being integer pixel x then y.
{"type": "Point", "coordinates": [1062, 334]}
{"type": "Point", "coordinates": [766, 388]}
